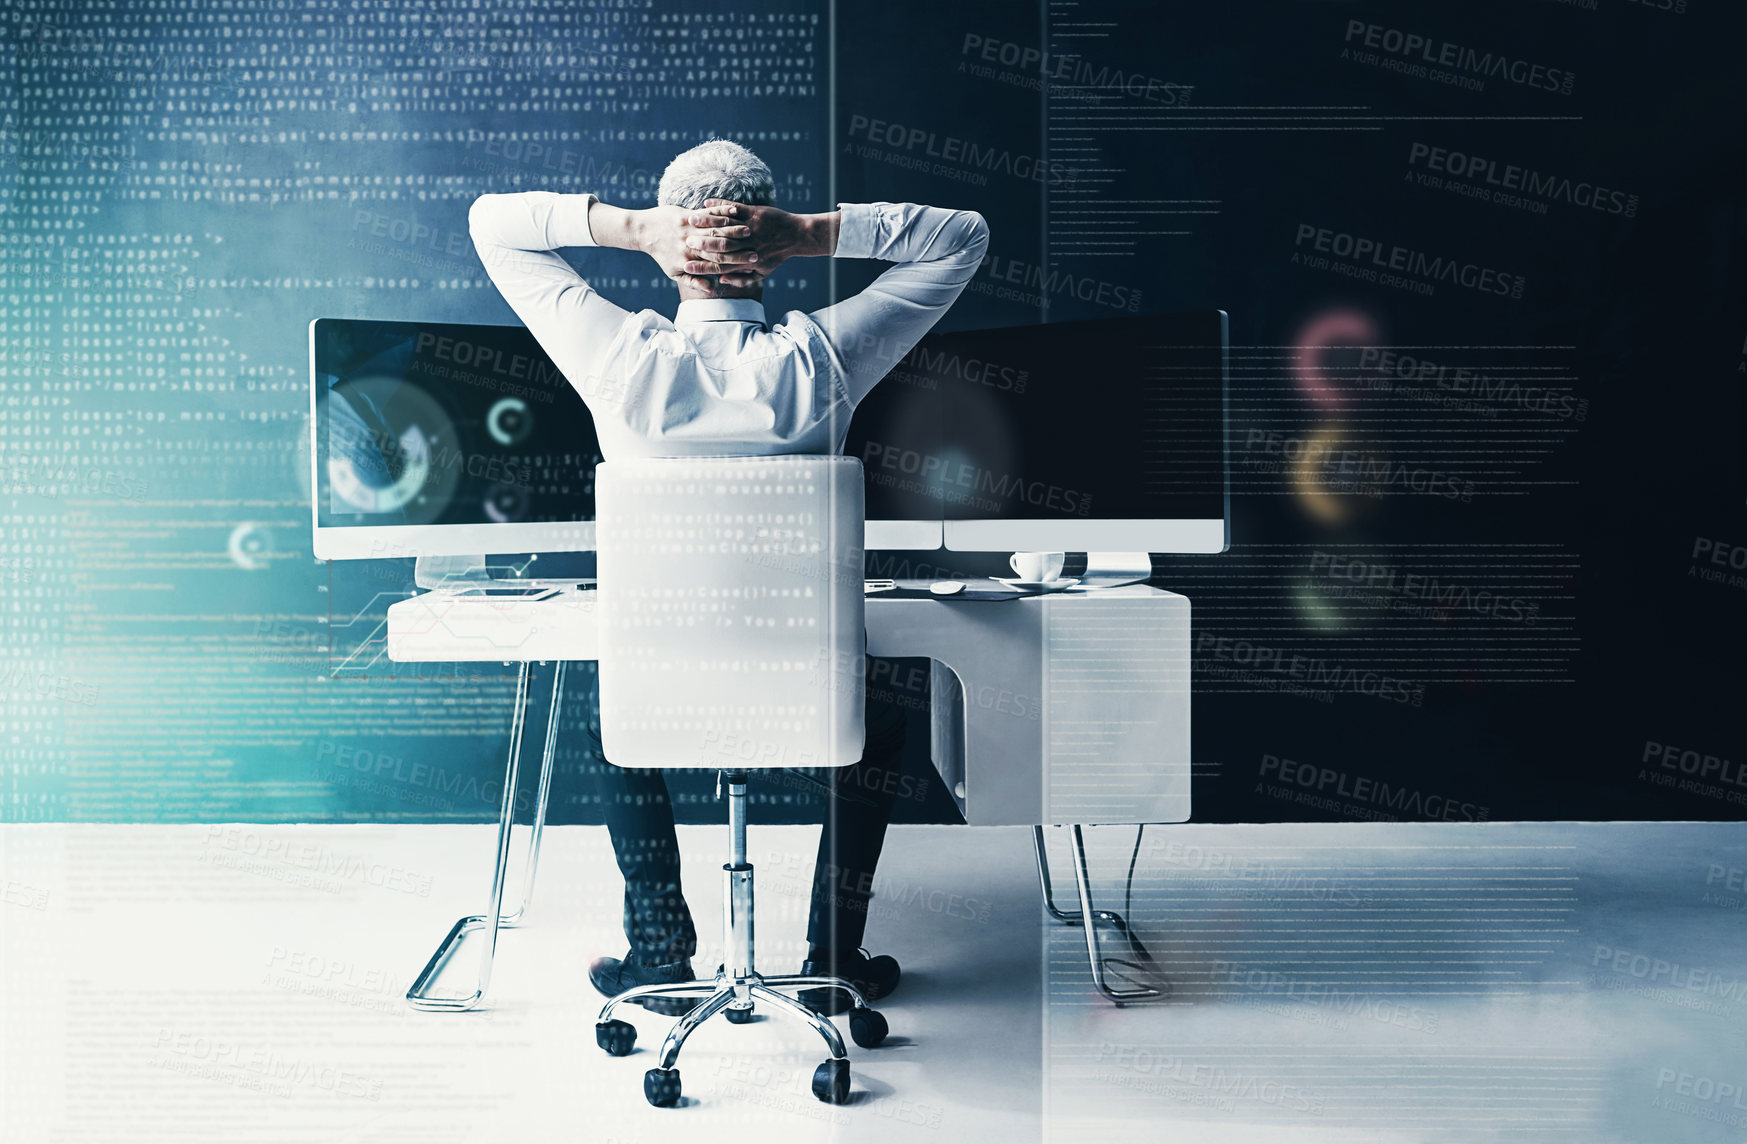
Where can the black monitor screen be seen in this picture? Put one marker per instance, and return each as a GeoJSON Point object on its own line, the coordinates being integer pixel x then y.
{"type": "Point", "coordinates": [446, 424]}
{"type": "Point", "coordinates": [1113, 419]}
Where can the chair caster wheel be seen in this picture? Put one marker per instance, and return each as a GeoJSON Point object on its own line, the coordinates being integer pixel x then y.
{"type": "Point", "coordinates": [831, 1081]}
{"type": "Point", "coordinates": [616, 1037]}
{"type": "Point", "coordinates": [661, 1087]}
{"type": "Point", "coordinates": [737, 1016]}
{"type": "Point", "coordinates": [867, 1028]}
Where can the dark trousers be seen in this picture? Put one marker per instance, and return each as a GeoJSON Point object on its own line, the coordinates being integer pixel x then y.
{"type": "Point", "coordinates": [639, 817]}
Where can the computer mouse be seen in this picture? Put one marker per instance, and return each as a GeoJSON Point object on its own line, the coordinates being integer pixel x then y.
{"type": "Point", "coordinates": [946, 587]}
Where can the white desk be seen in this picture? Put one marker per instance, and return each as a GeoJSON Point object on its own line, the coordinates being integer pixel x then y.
{"type": "Point", "coordinates": [467, 627]}
{"type": "Point", "coordinates": [1063, 709]}
{"type": "Point", "coordinates": [1071, 707]}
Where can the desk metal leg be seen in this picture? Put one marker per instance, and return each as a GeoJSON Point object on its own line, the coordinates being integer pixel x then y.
{"type": "Point", "coordinates": [1143, 967]}
{"type": "Point", "coordinates": [531, 862]}
{"type": "Point", "coordinates": [420, 996]}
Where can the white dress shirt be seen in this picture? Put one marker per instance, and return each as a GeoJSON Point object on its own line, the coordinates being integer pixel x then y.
{"type": "Point", "coordinates": [720, 378]}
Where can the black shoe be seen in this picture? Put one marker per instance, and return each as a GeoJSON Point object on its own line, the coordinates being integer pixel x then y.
{"type": "Point", "coordinates": [613, 975]}
{"type": "Point", "coordinates": [876, 977]}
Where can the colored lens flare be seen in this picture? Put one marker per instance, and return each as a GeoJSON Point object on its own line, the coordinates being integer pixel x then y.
{"type": "Point", "coordinates": [1324, 335]}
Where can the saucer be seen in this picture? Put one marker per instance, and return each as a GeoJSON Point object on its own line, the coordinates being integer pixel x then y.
{"type": "Point", "coordinates": [1037, 585]}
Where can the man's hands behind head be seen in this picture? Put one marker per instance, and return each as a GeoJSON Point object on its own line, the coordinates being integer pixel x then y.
{"type": "Point", "coordinates": [664, 232]}
{"type": "Point", "coordinates": [744, 243]}
{"type": "Point", "coordinates": [721, 244]}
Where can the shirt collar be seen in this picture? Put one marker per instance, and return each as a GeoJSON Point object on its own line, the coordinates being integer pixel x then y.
{"type": "Point", "coordinates": [719, 310]}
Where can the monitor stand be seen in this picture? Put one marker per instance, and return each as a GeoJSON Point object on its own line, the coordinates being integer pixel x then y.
{"type": "Point", "coordinates": [450, 572]}
{"type": "Point", "coordinates": [1112, 569]}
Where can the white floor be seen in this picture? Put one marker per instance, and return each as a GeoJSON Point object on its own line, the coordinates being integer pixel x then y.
{"type": "Point", "coordinates": [1328, 983]}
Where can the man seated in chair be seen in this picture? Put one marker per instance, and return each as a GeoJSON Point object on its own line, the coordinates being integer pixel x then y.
{"type": "Point", "coordinates": [723, 378]}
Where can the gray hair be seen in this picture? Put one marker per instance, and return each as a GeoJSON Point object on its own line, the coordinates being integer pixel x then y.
{"type": "Point", "coordinates": [716, 169]}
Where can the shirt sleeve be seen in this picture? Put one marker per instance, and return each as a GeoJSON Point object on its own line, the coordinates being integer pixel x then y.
{"type": "Point", "coordinates": [937, 252]}
{"type": "Point", "coordinates": [516, 236]}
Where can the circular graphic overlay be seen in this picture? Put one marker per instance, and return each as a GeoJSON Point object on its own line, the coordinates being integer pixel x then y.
{"type": "Point", "coordinates": [250, 546]}
{"type": "Point", "coordinates": [392, 451]}
{"type": "Point", "coordinates": [509, 421]}
{"type": "Point", "coordinates": [505, 503]}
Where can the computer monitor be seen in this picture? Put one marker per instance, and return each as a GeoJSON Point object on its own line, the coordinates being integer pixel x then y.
{"type": "Point", "coordinates": [440, 439]}
{"type": "Point", "coordinates": [444, 440]}
{"type": "Point", "coordinates": [1101, 435]}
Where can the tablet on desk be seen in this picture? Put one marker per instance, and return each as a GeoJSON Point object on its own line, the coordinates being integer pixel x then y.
{"type": "Point", "coordinates": [976, 590]}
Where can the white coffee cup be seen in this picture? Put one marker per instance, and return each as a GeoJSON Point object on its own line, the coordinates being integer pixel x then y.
{"type": "Point", "coordinates": [1037, 567]}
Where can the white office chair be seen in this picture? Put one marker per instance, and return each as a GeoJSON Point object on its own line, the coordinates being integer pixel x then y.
{"type": "Point", "coordinates": [732, 637]}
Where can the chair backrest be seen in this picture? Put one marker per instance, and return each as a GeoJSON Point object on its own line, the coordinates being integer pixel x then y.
{"type": "Point", "coordinates": [731, 611]}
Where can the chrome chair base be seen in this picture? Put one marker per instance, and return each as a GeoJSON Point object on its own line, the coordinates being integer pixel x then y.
{"type": "Point", "coordinates": [738, 988]}
{"type": "Point", "coordinates": [735, 997]}
{"type": "Point", "coordinates": [1147, 981]}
